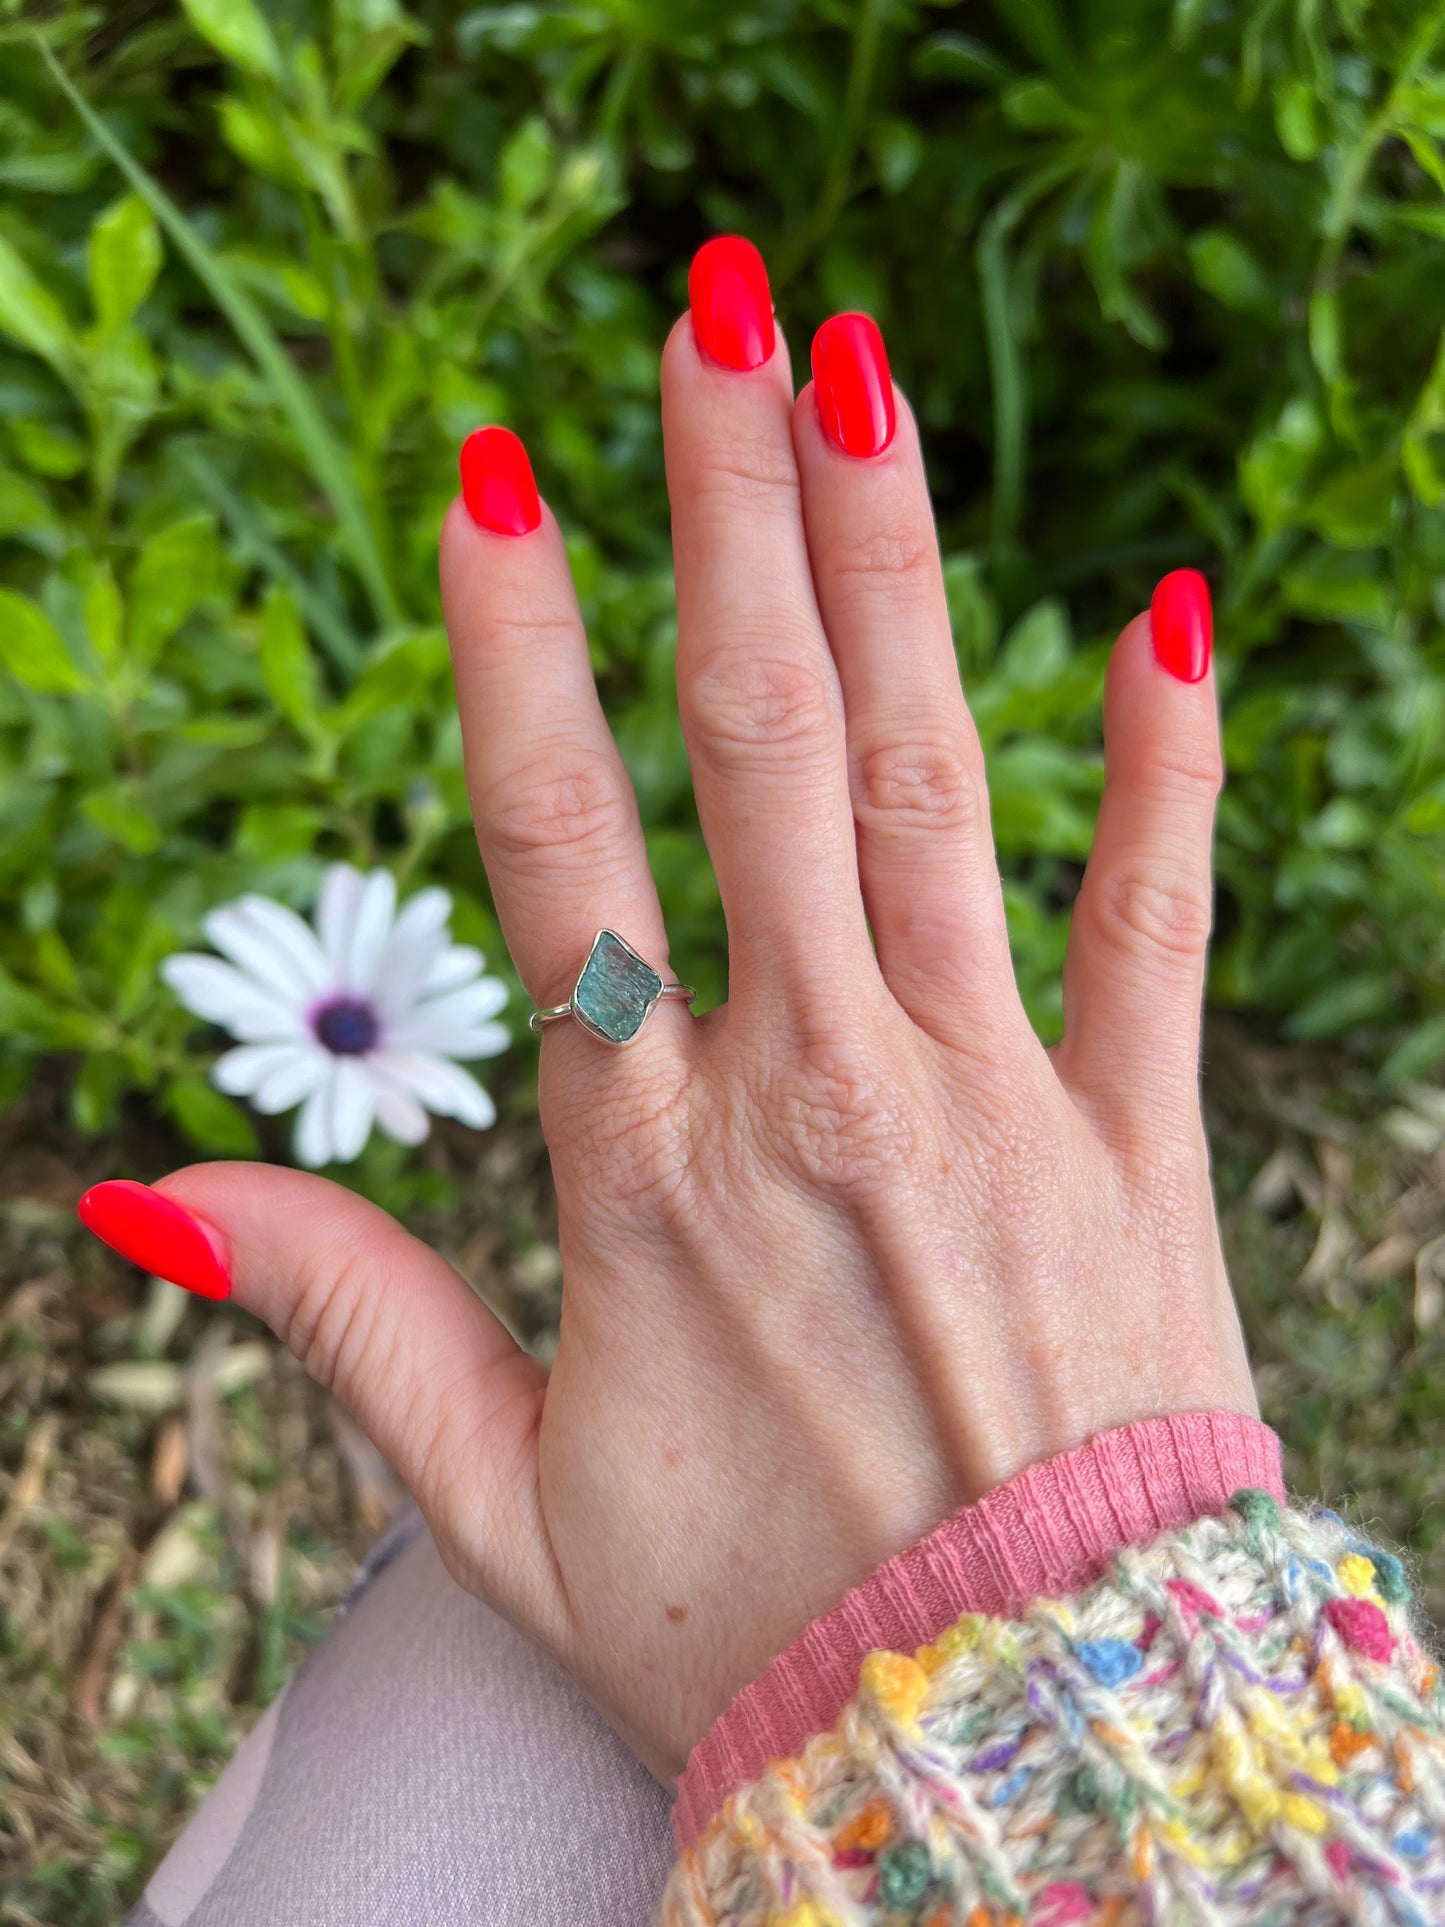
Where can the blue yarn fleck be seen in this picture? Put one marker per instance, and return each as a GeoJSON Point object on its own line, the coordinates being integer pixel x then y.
{"type": "Point", "coordinates": [1111, 1661]}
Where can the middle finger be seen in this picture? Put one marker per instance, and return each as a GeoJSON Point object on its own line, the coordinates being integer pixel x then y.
{"type": "Point", "coordinates": [758, 693]}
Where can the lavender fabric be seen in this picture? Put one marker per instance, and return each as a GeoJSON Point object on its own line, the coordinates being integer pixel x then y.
{"type": "Point", "coordinates": [426, 1765]}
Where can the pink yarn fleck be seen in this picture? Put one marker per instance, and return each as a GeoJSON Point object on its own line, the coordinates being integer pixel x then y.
{"type": "Point", "coordinates": [1193, 1600]}
{"type": "Point", "coordinates": [1338, 1855]}
{"type": "Point", "coordinates": [1062, 1902]}
{"type": "Point", "coordinates": [1362, 1626]}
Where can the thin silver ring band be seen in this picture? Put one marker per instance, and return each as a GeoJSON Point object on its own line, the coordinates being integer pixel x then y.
{"type": "Point", "coordinates": [555, 1011]}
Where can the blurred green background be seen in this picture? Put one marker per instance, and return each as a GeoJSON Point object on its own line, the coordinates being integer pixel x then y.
{"type": "Point", "coordinates": [1165, 284]}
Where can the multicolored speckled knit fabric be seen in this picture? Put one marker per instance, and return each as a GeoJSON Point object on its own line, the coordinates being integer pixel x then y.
{"type": "Point", "coordinates": [1236, 1725]}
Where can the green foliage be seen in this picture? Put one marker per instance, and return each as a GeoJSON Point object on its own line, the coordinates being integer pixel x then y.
{"type": "Point", "coordinates": [1160, 295]}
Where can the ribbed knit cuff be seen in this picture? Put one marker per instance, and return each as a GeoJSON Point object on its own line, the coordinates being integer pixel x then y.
{"type": "Point", "coordinates": [1047, 1532]}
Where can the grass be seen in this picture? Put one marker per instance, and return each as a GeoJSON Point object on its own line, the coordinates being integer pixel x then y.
{"type": "Point", "coordinates": [180, 1508]}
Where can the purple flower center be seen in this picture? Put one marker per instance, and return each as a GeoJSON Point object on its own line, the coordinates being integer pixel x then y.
{"type": "Point", "coordinates": [346, 1025]}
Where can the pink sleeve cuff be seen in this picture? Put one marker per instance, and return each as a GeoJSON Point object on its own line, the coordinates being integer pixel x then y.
{"type": "Point", "coordinates": [1047, 1532]}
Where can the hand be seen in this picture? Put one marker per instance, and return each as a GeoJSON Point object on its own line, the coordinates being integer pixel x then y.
{"type": "Point", "coordinates": [846, 1253]}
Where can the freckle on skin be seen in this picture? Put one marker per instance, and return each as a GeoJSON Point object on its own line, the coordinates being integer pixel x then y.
{"type": "Point", "coordinates": [672, 1456]}
{"type": "Point", "coordinates": [677, 1614]}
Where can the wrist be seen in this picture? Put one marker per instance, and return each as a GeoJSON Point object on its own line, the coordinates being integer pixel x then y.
{"type": "Point", "coordinates": [1048, 1531]}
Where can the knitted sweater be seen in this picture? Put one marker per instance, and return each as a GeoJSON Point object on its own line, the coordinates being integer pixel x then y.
{"type": "Point", "coordinates": [1232, 1722]}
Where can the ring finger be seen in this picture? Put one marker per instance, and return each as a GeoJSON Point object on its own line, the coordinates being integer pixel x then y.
{"type": "Point", "coordinates": [555, 813]}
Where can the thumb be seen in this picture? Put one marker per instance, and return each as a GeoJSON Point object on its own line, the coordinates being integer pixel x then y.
{"type": "Point", "coordinates": [434, 1379]}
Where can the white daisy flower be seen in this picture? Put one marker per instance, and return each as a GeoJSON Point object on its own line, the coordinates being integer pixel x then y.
{"type": "Point", "coordinates": [358, 1021]}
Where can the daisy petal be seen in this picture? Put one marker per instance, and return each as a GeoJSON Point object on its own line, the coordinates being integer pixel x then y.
{"type": "Point", "coordinates": [473, 1004]}
{"type": "Point", "coordinates": [370, 931]}
{"type": "Point", "coordinates": [453, 1040]}
{"type": "Point", "coordinates": [224, 995]}
{"type": "Point", "coordinates": [291, 933]}
{"type": "Point", "coordinates": [336, 914]}
{"type": "Point", "coordinates": [271, 944]}
{"type": "Point", "coordinates": [422, 915]}
{"type": "Point", "coordinates": [458, 964]}
{"type": "Point", "coordinates": [313, 1125]}
{"type": "Point", "coordinates": [305, 1070]}
{"type": "Point", "coordinates": [397, 1111]}
{"type": "Point", "coordinates": [240, 1072]}
{"type": "Point", "coordinates": [353, 1105]}
{"type": "Point", "coordinates": [442, 1086]}
{"type": "Point", "coordinates": [418, 940]}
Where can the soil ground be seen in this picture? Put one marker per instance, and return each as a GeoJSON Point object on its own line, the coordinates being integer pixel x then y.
{"type": "Point", "coordinates": [180, 1508]}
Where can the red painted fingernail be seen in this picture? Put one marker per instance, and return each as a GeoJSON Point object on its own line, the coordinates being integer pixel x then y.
{"type": "Point", "coordinates": [731, 303]}
{"type": "Point", "coordinates": [852, 384]}
{"type": "Point", "coordinates": [1183, 624]}
{"type": "Point", "coordinates": [157, 1235]}
{"type": "Point", "coordinates": [497, 483]}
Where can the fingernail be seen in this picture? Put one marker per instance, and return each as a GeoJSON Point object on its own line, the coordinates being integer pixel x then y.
{"type": "Point", "coordinates": [157, 1235]}
{"type": "Point", "coordinates": [497, 483]}
{"type": "Point", "coordinates": [1183, 624]}
{"type": "Point", "coordinates": [853, 385]}
{"type": "Point", "coordinates": [731, 303]}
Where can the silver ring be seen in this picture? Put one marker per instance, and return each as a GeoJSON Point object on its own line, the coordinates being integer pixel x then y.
{"type": "Point", "coordinates": [616, 992]}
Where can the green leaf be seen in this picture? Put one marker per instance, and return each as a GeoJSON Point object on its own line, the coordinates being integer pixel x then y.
{"type": "Point", "coordinates": [175, 571]}
{"type": "Point", "coordinates": [1037, 647]}
{"type": "Point", "coordinates": [124, 259]}
{"type": "Point", "coordinates": [26, 514]}
{"type": "Point", "coordinates": [329, 463]}
{"type": "Point", "coordinates": [210, 1120]}
{"type": "Point", "coordinates": [238, 30]}
{"type": "Point", "coordinates": [286, 660]}
{"type": "Point", "coordinates": [959, 57]}
{"type": "Point", "coordinates": [1039, 107]}
{"type": "Point", "coordinates": [1343, 1004]}
{"type": "Point", "coordinates": [1273, 467]}
{"type": "Point", "coordinates": [31, 648]}
{"type": "Point", "coordinates": [30, 314]}
{"type": "Point", "coordinates": [1416, 1055]}
{"type": "Point", "coordinates": [116, 811]}
{"type": "Point", "coordinates": [1224, 267]}
{"type": "Point", "coordinates": [526, 164]}
{"type": "Point", "coordinates": [104, 613]}
{"type": "Point", "coordinates": [897, 150]}
{"type": "Point", "coordinates": [1297, 119]}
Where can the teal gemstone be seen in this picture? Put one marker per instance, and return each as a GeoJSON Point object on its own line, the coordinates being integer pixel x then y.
{"type": "Point", "coordinates": [616, 990]}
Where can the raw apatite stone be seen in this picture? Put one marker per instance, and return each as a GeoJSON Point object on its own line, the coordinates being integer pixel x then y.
{"type": "Point", "coordinates": [616, 990]}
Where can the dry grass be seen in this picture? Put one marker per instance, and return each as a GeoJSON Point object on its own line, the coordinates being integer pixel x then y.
{"type": "Point", "coordinates": [180, 1507]}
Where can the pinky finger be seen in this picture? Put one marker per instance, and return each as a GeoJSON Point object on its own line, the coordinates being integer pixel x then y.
{"type": "Point", "coordinates": [1134, 975]}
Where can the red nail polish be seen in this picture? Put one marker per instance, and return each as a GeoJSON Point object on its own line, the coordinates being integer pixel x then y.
{"type": "Point", "coordinates": [155, 1234]}
{"type": "Point", "coordinates": [852, 384]}
{"type": "Point", "coordinates": [1183, 624]}
{"type": "Point", "coordinates": [497, 483]}
{"type": "Point", "coordinates": [731, 303]}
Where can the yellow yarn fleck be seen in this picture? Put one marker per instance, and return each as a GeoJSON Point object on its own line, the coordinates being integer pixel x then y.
{"type": "Point", "coordinates": [806, 1913]}
{"type": "Point", "coordinates": [896, 1685]}
{"type": "Point", "coordinates": [1303, 1813]}
{"type": "Point", "coordinates": [1356, 1574]}
{"type": "Point", "coordinates": [962, 1637]}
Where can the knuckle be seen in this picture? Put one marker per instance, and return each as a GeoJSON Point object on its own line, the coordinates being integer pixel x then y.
{"type": "Point", "coordinates": [893, 560]}
{"type": "Point", "coordinates": [1167, 919]}
{"type": "Point", "coordinates": [745, 468]}
{"type": "Point", "coordinates": [581, 802]}
{"type": "Point", "coordinates": [740, 704]}
{"type": "Point", "coordinates": [556, 634]}
{"type": "Point", "coordinates": [1187, 769]}
{"type": "Point", "coordinates": [329, 1329]}
{"type": "Point", "coordinates": [918, 783]}
{"type": "Point", "coordinates": [835, 1117]}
